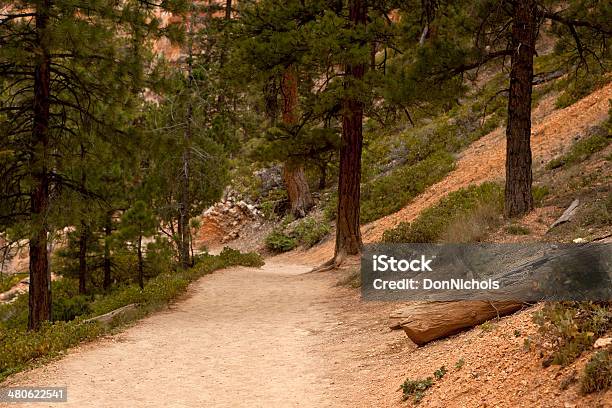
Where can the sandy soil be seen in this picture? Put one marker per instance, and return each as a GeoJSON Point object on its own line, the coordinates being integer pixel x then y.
{"type": "Point", "coordinates": [242, 337]}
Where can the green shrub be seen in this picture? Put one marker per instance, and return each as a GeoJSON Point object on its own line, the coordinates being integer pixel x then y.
{"type": "Point", "coordinates": [539, 193]}
{"type": "Point", "coordinates": [581, 151]}
{"type": "Point", "coordinates": [307, 232]}
{"type": "Point", "coordinates": [576, 88]}
{"type": "Point", "coordinates": [8, 281]}
{"type": "Point", "coordinates": [277, 241]}
{"type": "Point", "coordinates": [515, 229]}
{"type": "Point", "coordinates": [475, 225]}
{"type": "Point", "coordinates": [330, 207]}
{"type": "Point", "coordinates": [159, 256]}
{"type": "Point", "coordinates": [66, 309]}
{"type": "Point", "coordinates": [390, 193]}
{"type": "Point", "coordinates": [440, 373]}
{"type": "Point", "coordinates": [600, 213]}
{"type": "Point", "coordinates": [310, 232]}
{"type": "Point", "coordinates": [18, 347]}
{"type": "Point", "coordinates": [416, 388]}
{"type": "Point", "coordinates": [459, 364]}
{"type": "Point", "coordinates": [597, 373]}
{"type": "Point", "coordinates": [573, 327]}
{"type": "Point", "coordinates": [434, 221]}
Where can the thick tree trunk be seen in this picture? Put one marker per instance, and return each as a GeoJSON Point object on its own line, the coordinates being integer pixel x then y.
{"type": "Point", "coordinates": [518, 198]}
{"type": "Point", "coordinates": [108, 227]}
{"type": "Point", "coordinates": [298, 191]}
{"type": "Point", "coordinates": [83, 258]}
{"type": "Point", "coordinates": [140, 264]}
{"type": "Point", "coordinates": [348, 235]}
{"type": "Point", "coordinates": [40, 280]}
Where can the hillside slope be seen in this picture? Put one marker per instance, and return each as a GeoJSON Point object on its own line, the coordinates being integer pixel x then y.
{"type": "Point", "coordinates": [554, 131]}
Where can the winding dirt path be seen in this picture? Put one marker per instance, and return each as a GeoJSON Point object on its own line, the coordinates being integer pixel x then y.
{"type": "Point", "coordinates": [242, 337]}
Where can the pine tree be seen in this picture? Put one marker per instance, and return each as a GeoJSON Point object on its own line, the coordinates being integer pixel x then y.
{"type": "Point", "coordinates": [137, 223]}
{"type": "Point", "coordinates": [348, 233]}
{"type": "Point", "coordinates": [60, 73]}
{"type": "Point", "coordinates": [510, 29]}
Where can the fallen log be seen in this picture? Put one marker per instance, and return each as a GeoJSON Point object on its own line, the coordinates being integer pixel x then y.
{"type": "Point", "coordinates": [108, 317]}
{"type": "Point", "coordinates": [567, 214]}
{"type": "Point", "coordinates": [427, 321]}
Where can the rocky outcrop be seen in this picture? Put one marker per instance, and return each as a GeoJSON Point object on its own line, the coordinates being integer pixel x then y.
{"type": "Point", "coordinates": [223, 221]}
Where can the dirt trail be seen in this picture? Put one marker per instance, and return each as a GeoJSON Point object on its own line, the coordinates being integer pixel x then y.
{"type": "Point", "coordinates": [242, 337]}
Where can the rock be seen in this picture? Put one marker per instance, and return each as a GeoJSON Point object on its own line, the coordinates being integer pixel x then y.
{"type": "Point", "coordinates": [603, 342]}
{"type": "Point", "coordinates": [271, 178]}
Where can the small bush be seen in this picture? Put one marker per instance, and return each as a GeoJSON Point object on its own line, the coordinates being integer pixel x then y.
{"type": "Point", "coordinates": [539, 193]}
{"type": "Point", "coordinates": [277, 241]}
{"type": "Point", "coordinates": [573, 327]}
{"type": "Point", "coordinates": [8, 281]}
{"type": "Point", "coordinates": [474, 225]}
{"type": "Point", "coordinates": [307, 232]}
{"type": "Point", "coordinates": [390, 193]}
{"type": "Point", "coordinates": [600, 213]}
{"type": "Point", "coordinates": [434, 221]}
{"type": "Point", "coordinates": [576, 88]}
{"type": "Point", "coordinates": [597, 373]}
{"type": "Point", "coordinates": [459, 364]}
{"type": "Point", "coordinates": [416, 388]}
{"type": "Point", "coordinates": [581, 151]}
{"type": "Point", "coordinates": [310, 232]}
{"type": "Point", "coordinates": [440, 372]}
{"type": "Point", "coordinates": [66, 309]}
{"type": "Point", "coordinates": [17, 347]}
{"type": "Point", "coordinates": [515, 229]}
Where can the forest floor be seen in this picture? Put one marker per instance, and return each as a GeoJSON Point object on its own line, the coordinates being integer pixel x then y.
{"type": "Point", "coordinates": [278, 337]}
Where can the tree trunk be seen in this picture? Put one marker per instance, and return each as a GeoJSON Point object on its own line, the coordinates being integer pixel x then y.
{"type": "Point", "coordinates": [228, 9]}
{"type": "Point", "coordinates": [518, 198]}
{"type": "Point", "coordinates": [184, 199]}
{"type": "Point", "coordinates": [322, 176]}
{"type": "Point", "coordinates": [298, 191]}
{"type": "Point", "coordinates": [40, 280]}
{"type": "Point", "coordinates": [348, 235]}
{"type": "Point", "coordinates": [84, 234]}
{"type": "Point", "coordinates": [83, 258]}
{"type": "Point", "coordinates": [108, 226]}
{"type": "Point", "coordinates": [140, 264]}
